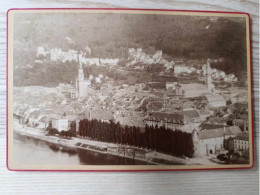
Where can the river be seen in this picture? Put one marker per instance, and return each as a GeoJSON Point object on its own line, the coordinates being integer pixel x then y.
{"type": "Point", "coordinates": [31, 151]}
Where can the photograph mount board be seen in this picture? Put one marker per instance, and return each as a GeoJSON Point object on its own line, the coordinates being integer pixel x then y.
{"type": "Point", "coordinates": [128, 90]}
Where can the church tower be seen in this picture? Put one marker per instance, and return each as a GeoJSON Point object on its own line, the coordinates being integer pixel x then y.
{"type": "Point", "coordinates": [208, 80]}
{"type": "Point", "coordinates": [80, 81]}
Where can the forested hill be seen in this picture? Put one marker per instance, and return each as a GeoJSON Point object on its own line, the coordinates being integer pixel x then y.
{"type": "Point", "coordinates": [111, 35]}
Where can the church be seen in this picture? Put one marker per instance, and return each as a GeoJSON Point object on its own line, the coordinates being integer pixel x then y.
{"type": "Point", "coordinates": [198, 89]}
{"type": "Point", "coordinates": [82, 85]}
{"type": "Point", "coordinates": [211, 141]}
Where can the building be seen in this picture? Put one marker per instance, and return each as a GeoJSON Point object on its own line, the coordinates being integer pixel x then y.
{"type": "Point", "coordinates": [67, 90]}
{"type": "Point", "coordinates": [82, 85]}
{"type": "Point", "coordinates": [216, 100]}
{"type": "Point", "coordinates": [238, 98]}
{"type": "Point", "coordinates": [204, 114]}
{"type": "Point", "coordinates": [194, 90]}
{"type": "Point", "coordinates": [185, 121]}
{"type": "Point", "coordinates": [174, 87]}
{"type": "Point", "coordinates": [211, 141]}
{"type": "Point", "coordinates": [61, 124]}
{"type": "Point", "coordinates": [230, 78]}
{"type": "Point", "coordinates": [103, 115]}
{"type": "Point", "coordinates": [154, 106]}
{"type": "Point", "coordinates": [171, 85]}
{"type": "Point", "coordinates": [187, 106]}
{"type": "Point", "coordinates": [43, 122]}
{"type": "Point", "coordinates": [241, 143]}
{"type": "Point", "coordinates": [33, 117]}
{"type": "Point", "coordinates": [179, 68]}
{"type": "Point", "coordinates": [241, 122]}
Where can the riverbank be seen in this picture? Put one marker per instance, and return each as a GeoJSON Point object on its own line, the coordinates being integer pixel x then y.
{"type": "Point", "coordinates": [151, 157]}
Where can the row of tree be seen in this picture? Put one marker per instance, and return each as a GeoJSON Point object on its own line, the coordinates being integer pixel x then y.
{"type": "Point", "coordinates": [155, 138]}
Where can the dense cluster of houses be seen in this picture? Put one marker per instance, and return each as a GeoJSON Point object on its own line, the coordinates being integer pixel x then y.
{"type": "Point", "coordinates": [197, 108]}
{"type": "Point", "coordinates": [139, 56]}
{"type": "Point", "coordinates": [83, 57]}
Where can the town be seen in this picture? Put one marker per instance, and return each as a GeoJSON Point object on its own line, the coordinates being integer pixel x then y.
{"type": "Point", "coordinates": [146, 90]}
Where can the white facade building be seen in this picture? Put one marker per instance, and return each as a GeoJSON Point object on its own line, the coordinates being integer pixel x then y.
{"type": "Point", "coordinates": [241, 143]}
{"type": "Point", "coordinates": [60, 124]}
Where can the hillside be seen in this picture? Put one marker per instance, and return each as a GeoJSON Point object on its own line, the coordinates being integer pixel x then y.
{"type": "Point", "coordinates": [111, 35]}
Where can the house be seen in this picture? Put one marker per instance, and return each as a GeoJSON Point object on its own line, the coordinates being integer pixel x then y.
{"type": "Point", "coordinates": [216, 100]}
{"type": "Point", "coordinates": [206, 126]}
{"type": "Point", "coordinates": [33, 117]}
{"type": "Point", "coordinates": [67, 90]}
{"type": "Point", "coordinates": [109, 61]}
{"type": "Point", "coordinates": [238, 94]}
{"type": "Point", "coordinates": [179, 68]}
{"type": "Point", "coordinates": [154, 106]}
{"type": "Point", "coordinates": [243, 121]}
{"type": "Point", "coordinates": [99, 114]}
{"type": "Point", "coordinates": [174, 87]}
{"type": "Point", "coordinates": [168, 65]}
{"type": "Point", "coordinates": [171, 85]}
{"type": "Point", "coordinates": [61, 123]}
{"type": "Point", "coordinates": [192, 114]}
{"type": "Point", "coordinates": [230, 78]}
{"type": "Point", "coordinates": [204, 114]}
{"type": "Point", "coordinates": [211, 141]}
{"type": "Point", "coordinates": [238, 97]}
{"type": "Point", "coordinates": [43, 122]}
{"type": "Point", "coordinates": [187, 106]}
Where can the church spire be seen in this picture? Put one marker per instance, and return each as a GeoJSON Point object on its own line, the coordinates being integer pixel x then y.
{"type": "Point", "coordinates": [208, 79]}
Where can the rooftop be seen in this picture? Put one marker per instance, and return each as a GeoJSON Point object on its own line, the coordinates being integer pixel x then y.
{"type": "Point", "coordinates": [169, 118]}
{"type": "Point", "coordinates": [99, 114]}
{"type": "Point", "coordinates": [219, 132]}
{"type": "Point", "coordinates": [194, 86]}
{"type": "Point", "coordinates": [214, 98]}
{"type": "Point", "coordinates": [243, 136]}
{"type": "Point", "coordinates": [190, 113]}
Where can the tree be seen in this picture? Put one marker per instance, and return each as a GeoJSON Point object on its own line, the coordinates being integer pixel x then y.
{"type": "Point", "coordinates": [53, 131]}
{"type": "Point", "coordinates": [155, 138]}
{"type": "Point", "coordinates": [73, 126]}
{"type": "Point", "coordinates": [222, 157]}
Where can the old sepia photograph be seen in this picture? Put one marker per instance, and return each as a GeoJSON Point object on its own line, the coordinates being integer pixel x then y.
{"type": "Point", "coordinates": [92, 89]}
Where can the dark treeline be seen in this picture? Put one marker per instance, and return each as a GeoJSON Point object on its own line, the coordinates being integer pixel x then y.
{"type": "Point", "coordinates": [155, 138]}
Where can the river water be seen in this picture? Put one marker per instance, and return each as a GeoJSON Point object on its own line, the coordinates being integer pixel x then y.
{"type": "Point", "coordinates": [31, 151]}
